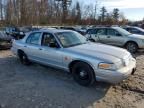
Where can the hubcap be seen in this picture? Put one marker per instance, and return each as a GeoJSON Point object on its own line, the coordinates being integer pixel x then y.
{"type": "Point", "coordinates": [131, 47]}
{"type": "Point", "coordinates": [83, 74]}
{"type": "Point", "coordinates": [23, 57]}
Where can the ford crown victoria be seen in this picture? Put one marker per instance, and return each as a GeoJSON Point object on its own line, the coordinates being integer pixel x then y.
{"type": "Point", "coordinates": [70, 51]}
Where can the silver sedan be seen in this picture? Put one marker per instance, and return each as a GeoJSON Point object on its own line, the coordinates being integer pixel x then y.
{"type": "Point", "coordinates": [70, 51]}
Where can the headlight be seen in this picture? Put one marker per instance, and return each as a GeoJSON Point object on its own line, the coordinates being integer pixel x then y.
{"type": "Point", "coordinates": [107, 66]}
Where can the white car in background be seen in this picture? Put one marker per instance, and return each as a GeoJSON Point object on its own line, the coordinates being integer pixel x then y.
{"type": "Point", "coordinates": [116, 36]}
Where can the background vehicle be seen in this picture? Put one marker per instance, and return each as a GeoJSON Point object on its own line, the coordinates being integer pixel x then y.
{"type": "Point", "coordinates": [5, 40]}
{"type": "Point", "coordinates": [134, 30]}
{"type": "Point", "coordinates": [70, 51]}
{"type": "Point", "coordinates": [116, 36]}
{"type": "Point", "coordinates": [82, 32]}
{"type": "Point", "coordinates": [26, 29]}
{"type": "Point", "coordinates": [5, 37]}
{"type": "Point", "coordinates": [14, 32]}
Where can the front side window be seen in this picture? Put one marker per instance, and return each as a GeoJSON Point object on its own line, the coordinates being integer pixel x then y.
{"type": "Point", "coordinates": [112, 32]}
{"type": "Point", "coordinates": [101, 32]}
{"type": "Point", "coordinates": [122, 31]}
{"type": "Point", "coordinates": [33, 38]}
{"type": "Point", "coordinates": [134, 30]}
{"type": "Point", "coordinates": [48, 39]}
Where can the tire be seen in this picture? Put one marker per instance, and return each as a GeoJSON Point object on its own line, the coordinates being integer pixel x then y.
{"type": "Point", "coordinates": [83, 74]}
{"type": "Point", "coordinates": [132, 47]}
{"type": "Point", "coordinates": [23, 58]}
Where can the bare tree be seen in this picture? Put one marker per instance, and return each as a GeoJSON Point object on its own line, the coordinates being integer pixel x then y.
{"type": "Point", "coordinates": [1, 10]}
{"type": "Point", "coordinates": [116, 14]}
{"type": "Point", "coordinates": [42, 12]}
{"type": "Point", "coordinates": [103, 13]}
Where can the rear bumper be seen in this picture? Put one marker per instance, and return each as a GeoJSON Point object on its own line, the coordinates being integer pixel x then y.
{"type": "Point", "coordinates": [116, 76]}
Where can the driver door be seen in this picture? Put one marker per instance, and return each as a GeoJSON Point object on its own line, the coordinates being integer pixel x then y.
{"type": "Point", "coordinates": [50, 55]}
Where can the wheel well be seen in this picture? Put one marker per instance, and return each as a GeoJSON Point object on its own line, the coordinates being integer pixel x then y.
{"type": "Point", "coordinates": [131, 42]}
{"type": "Point", "coordinates": [76, 61]}
{"type": "Point", "coordinates": [92, 40]}
{"type": "Point", "coordinates": [20, 51]}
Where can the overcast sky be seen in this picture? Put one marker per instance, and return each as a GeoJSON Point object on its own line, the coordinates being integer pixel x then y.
{"type": "Point", "coordinates": [133, 9]}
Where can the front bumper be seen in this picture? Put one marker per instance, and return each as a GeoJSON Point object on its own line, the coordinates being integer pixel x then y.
{"type": "Point", "coordinates": [116, 76]}
{"type": "Point", "coordinates": [14, 50]}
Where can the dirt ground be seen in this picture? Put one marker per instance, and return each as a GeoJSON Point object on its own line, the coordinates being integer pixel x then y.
{"type": "Point", "coordinates": [38, 86]}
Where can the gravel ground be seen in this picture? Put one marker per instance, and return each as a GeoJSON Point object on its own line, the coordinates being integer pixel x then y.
{"type": "Point", "coordinates": [38, 86]}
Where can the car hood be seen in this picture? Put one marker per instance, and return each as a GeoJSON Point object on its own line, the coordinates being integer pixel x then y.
{"type": "Point", "coordinates": [100, 51]}
{"type": "Point", "coordinates": [136, 36]}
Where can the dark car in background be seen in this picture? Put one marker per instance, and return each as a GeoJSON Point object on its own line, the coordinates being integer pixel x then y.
{"type": "Point", "coordinates": [134, 30]}
{"type": "Point", "coordinates": [5, 40]}
{"type": "Point", "coordinates": [14, 32]}
{"type": "Point", "coordinates": [5, 37]}
{"type": "Point", "coordinates": [82, 32]}
{"type": "Point", "coordinates": [26, 29]}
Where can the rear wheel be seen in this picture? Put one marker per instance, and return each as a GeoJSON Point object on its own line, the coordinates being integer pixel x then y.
{"type": "Point", "coordinates": [23, 58]}
{"type": "Point", "coordinates": [83, 74]}
{"type": "Point", "coordinates": [132, 47]}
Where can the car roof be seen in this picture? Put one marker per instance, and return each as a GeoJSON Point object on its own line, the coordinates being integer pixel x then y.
{"type": "Point", "coordinates": [102, 28]}
{"type": "Point", "coordinates": [131, 27]}
{"type": "Point", "coordinates": [54, 30]}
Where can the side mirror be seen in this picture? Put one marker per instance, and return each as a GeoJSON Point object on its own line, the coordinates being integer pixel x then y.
{"type": "Point", "coordinates": [21, 33]}
{"type": "Point", "coordinates": [53, 45]}
{"type": "Point", "coordinates": [118, 34]}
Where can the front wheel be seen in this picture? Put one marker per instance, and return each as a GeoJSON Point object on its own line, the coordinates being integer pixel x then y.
{"type": "Point", "coordinates": [83, 74]}
{"type": "Point", "coordinates": [23, 58]}
{"type": "Point", "coordinates": [132, 47]}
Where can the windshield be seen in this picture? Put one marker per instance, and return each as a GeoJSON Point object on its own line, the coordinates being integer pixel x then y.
{"type": "Point", "coordinates": [69, 39]}
{"type": "Point", "coordinates": [140, 29]}
{"type": "Point", "coordinates": [123, 31]}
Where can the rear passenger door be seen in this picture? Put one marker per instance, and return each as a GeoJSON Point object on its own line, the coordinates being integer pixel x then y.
{"type": "Point", "coordinates": [31, 48]}
{"type": "Point", "coordinates": [92, 34]}
{"type": "Point", "coordinates": [101, 35]}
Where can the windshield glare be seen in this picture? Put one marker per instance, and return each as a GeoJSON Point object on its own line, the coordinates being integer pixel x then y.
{"type": "Point", "coordinates": [123, 31]}
{"type": "Point", "coordinates": [69, 39]}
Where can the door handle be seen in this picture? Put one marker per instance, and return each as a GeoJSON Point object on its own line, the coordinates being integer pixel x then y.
{"type": "Point", "coordinates": [25, 46]}
{"type": "Point", "coordinates": [40, 48]}
{"type": "Point", "coordinates": [108, 36]}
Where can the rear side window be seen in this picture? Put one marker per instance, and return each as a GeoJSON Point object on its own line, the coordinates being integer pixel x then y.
{"type": "Point", "coordinates": [101, 32]}
{"type": "Point", "coordinates": [91, 31]}
{"type": "Point", "coordinates": [34, 38]}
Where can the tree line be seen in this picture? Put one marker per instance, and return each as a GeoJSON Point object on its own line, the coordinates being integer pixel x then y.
{"type": "Point", "coordinates": [56, 12]}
